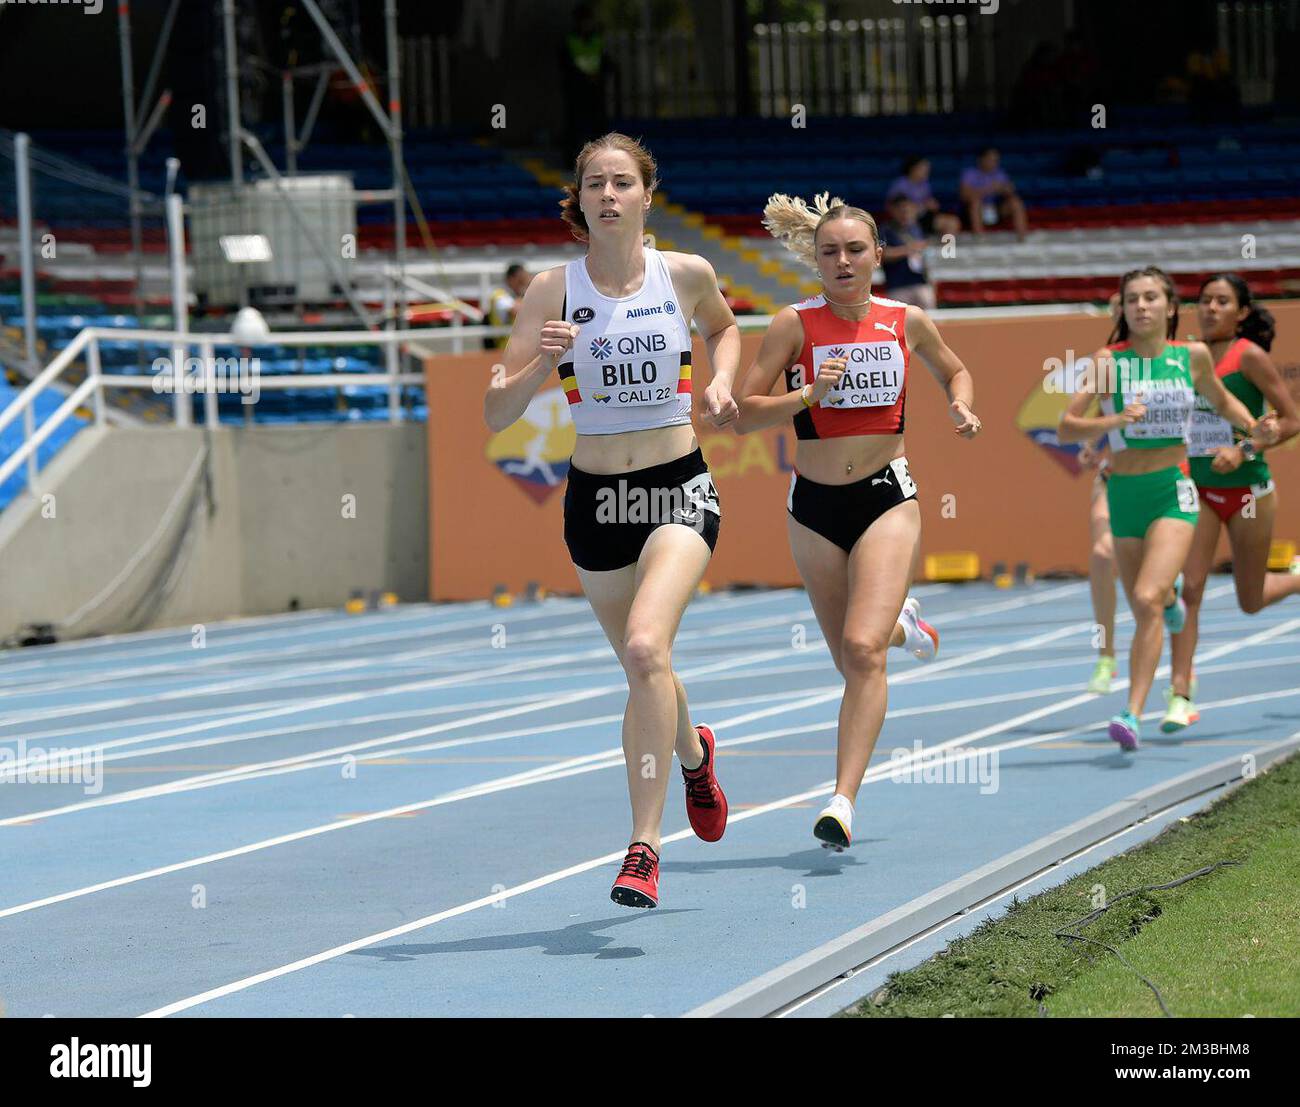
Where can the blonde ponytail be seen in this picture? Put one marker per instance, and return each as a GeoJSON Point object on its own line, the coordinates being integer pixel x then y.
{"type": "Point", "coordinates": [793, 223]}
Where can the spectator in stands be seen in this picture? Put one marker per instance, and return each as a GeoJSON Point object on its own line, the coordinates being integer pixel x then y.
{"type": "Point", "coordinates": [989, 196]}
{"type": "Point", "coordinates": [904, 244]}
{"type": "Point", "coordinates": [915, 185]}
{"type": "Point", "coordinates": [504, 302]}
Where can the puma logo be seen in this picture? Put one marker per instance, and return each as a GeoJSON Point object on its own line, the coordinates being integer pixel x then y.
{"type": "Point", "coordinates": [891, 328]}
{"type": "Point", "coordinates": [879, 480]}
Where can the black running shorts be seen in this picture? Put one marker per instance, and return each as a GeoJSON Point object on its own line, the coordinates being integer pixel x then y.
{"type": "Point", "coordinates": [842, 513]}
{"type": "Point", "coordinates": [609, 517]}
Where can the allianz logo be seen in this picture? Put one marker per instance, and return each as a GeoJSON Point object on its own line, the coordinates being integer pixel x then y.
{"type": "Point", "coordinates": [668, 308]}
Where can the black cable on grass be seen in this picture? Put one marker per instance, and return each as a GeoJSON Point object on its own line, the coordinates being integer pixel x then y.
{"type": "Point", "coordinates": [1093, 916]}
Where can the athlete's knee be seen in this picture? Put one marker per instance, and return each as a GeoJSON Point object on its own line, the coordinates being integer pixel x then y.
{"type": "Point", "coordinates": [1103, 550]}
{"type": "Point", "coordinates": [645, 656]}
{"type": "Point", "coordinates": [1148, 603]}
{"type": "Point", "coordinates": [862, 656]}
{"type": "Point", "coordinates": [1193, 592]}
{"type": "Point", "coordinates": [1251, 604]}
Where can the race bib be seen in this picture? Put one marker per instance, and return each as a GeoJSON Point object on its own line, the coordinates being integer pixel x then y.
{"type": "Point", "coordinates": [1209, 432]}
{"type": "Point", "coordinates": [1187, 498]}
{"type": "Point", "coordinates": [701, 495]}
{"type": "Point", "coordinates": [629, 370]}
{"type": "Point", "coordinates": [1168, 405]}
{"type": "Point", "coordinates": [874, 376]}
{"type": "Point", "coordinates": [905, 481]}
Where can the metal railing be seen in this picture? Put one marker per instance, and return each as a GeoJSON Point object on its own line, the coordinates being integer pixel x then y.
{"type": "Point", "coordinates": [863, 67]}
{"type": "Point", "coordinates": [866, 67]}
{"type": "Point", "coordinates": [203, 380]}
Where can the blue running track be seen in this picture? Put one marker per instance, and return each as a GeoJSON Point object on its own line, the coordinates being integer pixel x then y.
{"type": "Point", "coordinates": [420, 811]}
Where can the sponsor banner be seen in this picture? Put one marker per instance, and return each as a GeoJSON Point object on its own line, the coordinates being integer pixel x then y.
{"type": "Point", "coordinates": [1014, 494]}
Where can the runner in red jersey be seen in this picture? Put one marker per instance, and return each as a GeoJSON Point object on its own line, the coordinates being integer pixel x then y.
{"type": "Point", "coordinates": [854, 523]}
{"type": "Point", "coordinates": [1231, 475]}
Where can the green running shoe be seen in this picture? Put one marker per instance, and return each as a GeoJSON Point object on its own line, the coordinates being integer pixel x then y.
{"type": "Point", "coordinates": [1102, 675]}
{"type": "Point", "coordinates": [1180, 715]}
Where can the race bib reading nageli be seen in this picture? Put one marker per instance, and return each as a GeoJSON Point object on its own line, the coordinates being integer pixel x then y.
{"type": "Point", "coordinates": [873, 378]}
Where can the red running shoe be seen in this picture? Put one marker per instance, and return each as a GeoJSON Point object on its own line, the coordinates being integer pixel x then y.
{"type": "Point", "coordinates": [638, 880]}
{"type": "Point", "coordinates": [706, 806]}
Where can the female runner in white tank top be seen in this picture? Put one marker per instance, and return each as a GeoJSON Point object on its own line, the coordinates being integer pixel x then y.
{"type": "Point", "coordinates": [854, 524]}
{"type": "Point", "coordinates": [641, 515]}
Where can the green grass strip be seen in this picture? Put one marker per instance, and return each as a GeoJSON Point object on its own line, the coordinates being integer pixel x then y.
{"type": "Point", "coordinates": [1222, 944]}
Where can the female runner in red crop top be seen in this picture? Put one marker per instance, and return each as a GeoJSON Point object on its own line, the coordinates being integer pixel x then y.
{"type": "Point", "coordinates": [854, 523]}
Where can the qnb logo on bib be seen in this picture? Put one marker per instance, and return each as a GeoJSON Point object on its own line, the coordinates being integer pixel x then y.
{"type": "Point", "coordinates": [631, 370]}
{"type": "Point", "coordinates": [1169, 405]}
{"type": "Point", "coordinates": [1209, 431]}
{"type": "Point", "coordinates": [873, 377]}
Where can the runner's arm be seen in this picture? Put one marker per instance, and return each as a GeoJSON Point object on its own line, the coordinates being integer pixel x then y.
{"type": "Point", "coordinates": [524, 363]}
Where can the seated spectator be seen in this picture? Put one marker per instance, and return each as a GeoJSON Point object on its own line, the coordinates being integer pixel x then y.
{"type": "Point", "coordinates": [915, 185]}
{"type": "Point", "coordinates": [904, 245]}
{"type": "Point", "coordinates": [988, 195]}
{"type": "Point", "coordinates": [504, 302]}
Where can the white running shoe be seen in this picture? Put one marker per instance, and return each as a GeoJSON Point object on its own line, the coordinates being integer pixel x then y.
{"type": "Point", "coordinates": [834, 826]}
{"type": "Point", "coordinates": [920, 639]}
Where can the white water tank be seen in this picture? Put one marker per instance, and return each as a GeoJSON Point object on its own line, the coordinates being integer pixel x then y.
{"type": "Point", "coordinates": [294, 270]}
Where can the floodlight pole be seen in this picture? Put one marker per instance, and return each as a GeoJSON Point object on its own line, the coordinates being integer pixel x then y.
{"type": "Point", "coordinates": [232, 94]}
{"type": "Point", "coordinates": [132, 154]}
{"type": "Point", "coordinates": [26, 247]}
{"type": "Point", "coordinates": [395, 149]}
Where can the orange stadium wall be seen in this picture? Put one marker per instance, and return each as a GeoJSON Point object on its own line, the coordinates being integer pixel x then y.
{"type": "Point", "coordinates": [495, 515]}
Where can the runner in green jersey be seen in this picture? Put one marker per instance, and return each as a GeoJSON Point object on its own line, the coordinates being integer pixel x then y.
{"type": "Point", "coordinates": [1146, 384]}
{"type": "Point", "coordinates": [1232, 479]}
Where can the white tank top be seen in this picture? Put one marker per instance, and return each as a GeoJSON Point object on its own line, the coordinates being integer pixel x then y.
{"type": "Point", "coordinates": [630, 366]}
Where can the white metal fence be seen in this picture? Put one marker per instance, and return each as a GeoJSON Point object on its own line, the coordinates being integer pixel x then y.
{"type": "Point", "coordinates": [1247, 32]}
{"type": "Point", "coordinates": [838, 67]}
{"type": "Point", "coordinates": [201, 380]}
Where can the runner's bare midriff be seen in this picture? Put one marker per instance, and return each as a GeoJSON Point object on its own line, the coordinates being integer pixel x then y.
{"type": "Point", "coordinates": [631, 450]}
{"type": "Point", "coordinates": [827, 460]}
{"type": "Point", "coordinates": [1132, 463]}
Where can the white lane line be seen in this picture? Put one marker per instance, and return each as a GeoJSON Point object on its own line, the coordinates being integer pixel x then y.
{"type": "Point", "coordinates": [583, 626]}
{"type": "Point", "coordinates": [215, 654]}
{"type": "Point", "coordinates": [338, 724]}
{"type": "Point", "coordinates": [478, 674]}
{"type": "Point", "coordinates": [485, 901]}
{"type": "Point", "coordinates": [318, 621]}
{"type": "Point", "coordinates": [304, 761]}
{"type": "Point", "coordinates": [461, 909]}
{"type": "Point", "coordinates": [586, 763]}
{"type": "Point", "coordinates": [328, 757]}
{"type": "Point", "coordinates": [274, 768]}
{"type": "Point", "coordinates": [268, 679]}
{"type": "Point", "coordinates": [118, 650]}
{"type": "Point", "coordinates": [574, 766]}
{"type": "Point", "coordinates": [232, 655]}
